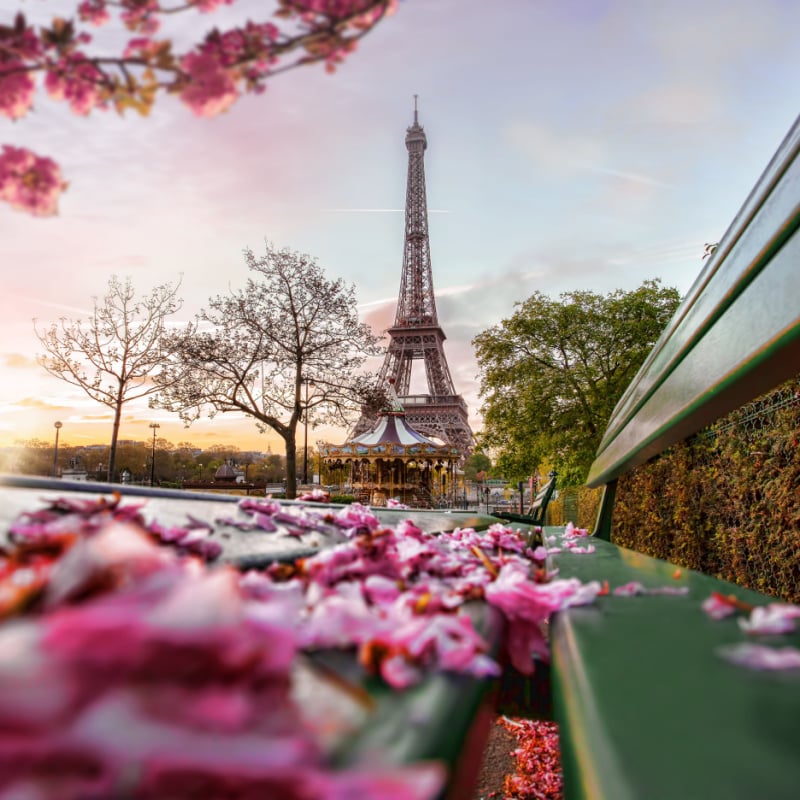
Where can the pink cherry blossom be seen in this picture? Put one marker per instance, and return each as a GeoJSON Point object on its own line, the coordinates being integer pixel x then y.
{"type": "Point", "coordinates": [718, 606]}
{"type": "Point", "coordinates": [540, 554]}
{"type": "Point", "coordinates": [316, 495]}
{"type": "Point", "coordinates": [393, 502]}
{"type": "Point", "coordinates": [571, 532]}
{"type": "Point", "coordinates": [629, 589]}
{"type": "Point", "coordinates": [584, 595]}
{"type": "Point", "coordinates": [210, 89]}
{"type": "Point", "coordinates": [416, 782]}
{"type": "Point", "coordinates": [94, 11]}
{"type": "Point", "coordinates": [209, 5]}
{"type": "Point", "coordinates": [635, 588]}
{"type": "Point", "coordinates": [526, 605]}
{"type": "Point", "coordinates": [587, 550]}
{"type": "Point", "coordinates": [29, 182]}
{"type": "Point", "coordinates": [78, 81]}
{"type": "Point", "coordinates": [772, 618]}
{"type": "Point", "coordinates": [141, 15]}
{"type": "Point", "coordinates": [16, 89]}
{"type": "Point", "coordinates": [757, 656]}
{"type": "Point", "coordinates": [399, 672]}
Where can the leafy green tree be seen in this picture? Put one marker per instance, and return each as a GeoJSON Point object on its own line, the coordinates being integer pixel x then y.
{"type": "Point", "coordinates": [287, 348]}
{"type": "Point", "coordinates": [30, 457]}
{"type": "Point", "coordinates": [552, 373]}
{"type": "Point", "coordinates": [477, 462]}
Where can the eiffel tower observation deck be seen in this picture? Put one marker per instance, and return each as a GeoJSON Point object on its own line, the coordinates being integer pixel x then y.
{"type": "Point", "coordinates": [416, 334]}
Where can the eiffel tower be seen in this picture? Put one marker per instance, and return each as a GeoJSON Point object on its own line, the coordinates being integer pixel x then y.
{"type": "Point", "coordinates": [416, 333]}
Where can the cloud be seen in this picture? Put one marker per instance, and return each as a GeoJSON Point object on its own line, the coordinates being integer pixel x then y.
{"type": "Point", "coordinates": [18, 361]}
{"type": "Point", "coordinates": [615, 173]}
{"type": "Point", "coordinates": [560, 153]}
{"type": "Point", "coordinates": [550, 151]}
{"type": "Point", "coordinates": [37, 403]}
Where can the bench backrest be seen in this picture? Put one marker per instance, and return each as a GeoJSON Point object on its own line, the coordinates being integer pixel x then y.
{"type": "Point", "coordinates": [538, 507]}
{"type": "Point", "coordinates": [735, 335]}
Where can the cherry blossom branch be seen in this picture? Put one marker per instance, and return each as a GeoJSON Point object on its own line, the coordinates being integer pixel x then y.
{"type": "Point", "coordinates": [208, 78]}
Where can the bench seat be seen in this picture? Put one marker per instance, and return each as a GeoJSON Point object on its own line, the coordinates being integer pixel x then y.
{"type": "Point", "coordinates": [646, 707]}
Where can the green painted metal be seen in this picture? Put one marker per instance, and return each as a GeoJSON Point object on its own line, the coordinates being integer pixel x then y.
{"type": "Point", "coordinates": [245, 549]}
{"type": "Point", "coordinates": [538, 509]}
{"type": "Point", "coordinates": [646, 707]}
{"type": "Point", "coordinates": [736, 334]}
{"type": "Point", "coordinates": [602, 528]}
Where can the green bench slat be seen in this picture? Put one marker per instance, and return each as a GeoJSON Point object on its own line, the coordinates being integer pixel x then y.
{"type": "Point", "coordinates": [245, 549]}
{"type": "Point", "coordinates": [735, 335]}
{"type": "Point", "coordinates": [648, 710]}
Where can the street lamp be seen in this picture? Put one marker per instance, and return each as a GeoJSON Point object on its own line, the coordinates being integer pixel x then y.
{"type": "Point", "coordinates": [57, 426]}
{"type": "Point", "coordinates": [155, 426]}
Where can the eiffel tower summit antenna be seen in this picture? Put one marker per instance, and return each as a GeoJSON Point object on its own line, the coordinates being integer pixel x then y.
{"type": "Point", "coordinates": [416, 334]}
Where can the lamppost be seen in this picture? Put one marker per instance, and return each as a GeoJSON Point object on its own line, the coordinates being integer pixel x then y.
{"type": "Point", "coordinates": [155, 426]}
{"type": "Point", "coordinates": [57, 426]}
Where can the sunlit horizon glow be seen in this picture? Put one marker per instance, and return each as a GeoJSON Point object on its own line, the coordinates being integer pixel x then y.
{"type": "Point", "coordinates": [571, 145]}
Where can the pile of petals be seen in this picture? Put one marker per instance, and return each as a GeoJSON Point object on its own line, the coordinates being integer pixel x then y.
{"type": "Point", "coordinates": [63, 519]}
{"type": "Point", "coordinates": [570, 539]}
{"type": "Point", "coordinates": [537, 761]}
{"type": "Point", "coordinates": [398, 594]}
{"type": "Point", "coordinates": [132, 669]}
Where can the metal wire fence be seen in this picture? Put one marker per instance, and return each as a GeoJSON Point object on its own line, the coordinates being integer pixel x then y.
{"type": "Point", "coordinates": [726, 501]}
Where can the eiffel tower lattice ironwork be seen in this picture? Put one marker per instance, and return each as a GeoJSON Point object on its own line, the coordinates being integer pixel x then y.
{"type": "Point", "coordinates": [416, 333]}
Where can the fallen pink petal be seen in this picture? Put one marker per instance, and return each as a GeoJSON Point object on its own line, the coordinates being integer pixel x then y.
{"type": "Point", "coordinates": [761, 657]}
{"type": "Point", "coordinates": [770, 619]}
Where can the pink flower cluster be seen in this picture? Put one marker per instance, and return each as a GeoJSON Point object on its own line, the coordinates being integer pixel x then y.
{"type": "Point", "coordinates": [78, 81]}
{"type": "Point", "coordinates": [208, 77]}
{"type": "Point", "coordinates": [29, 182]}
{"type": "Point", "coordinates": [16, 89]}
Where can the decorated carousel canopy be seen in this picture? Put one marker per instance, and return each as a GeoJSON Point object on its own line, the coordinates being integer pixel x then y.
{"type": "Point", "coordinates": [391, 436]}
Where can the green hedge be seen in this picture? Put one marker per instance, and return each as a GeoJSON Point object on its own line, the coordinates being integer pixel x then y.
{"type": "Point", "coordinates": [726, 502]}
{"type": "Point", "coordinates": [342, 498]}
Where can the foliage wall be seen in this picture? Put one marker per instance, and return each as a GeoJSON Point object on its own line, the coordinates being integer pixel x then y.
{"type": "Point", "coordinates": [727, 501]}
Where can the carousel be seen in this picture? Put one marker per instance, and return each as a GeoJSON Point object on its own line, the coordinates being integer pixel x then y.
{"type": "Point", "coordinates": [392, 461]}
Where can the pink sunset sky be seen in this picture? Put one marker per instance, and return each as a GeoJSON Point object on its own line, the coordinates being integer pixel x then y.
{"type": "Point", "coordinates": [572, 144]}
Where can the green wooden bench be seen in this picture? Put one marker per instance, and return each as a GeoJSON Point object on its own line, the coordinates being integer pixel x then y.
{"type": "Point", "coordinates": [647, 707]}
{"type": "Point", "coordinates": [446, 718]}
{"type": "Point", "coordinates": [537, 510]}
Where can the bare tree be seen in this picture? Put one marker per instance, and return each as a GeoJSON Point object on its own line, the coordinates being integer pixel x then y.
{"type": "Point", "coordinates": [289, 345]}
{"type": "Point", "coordinates": [114, 354]}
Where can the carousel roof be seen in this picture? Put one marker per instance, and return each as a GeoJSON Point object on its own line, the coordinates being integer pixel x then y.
{"type": "Point", "coordinates": [391, 436]}
{"type": "Point", "coordinates": [392, 428]}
